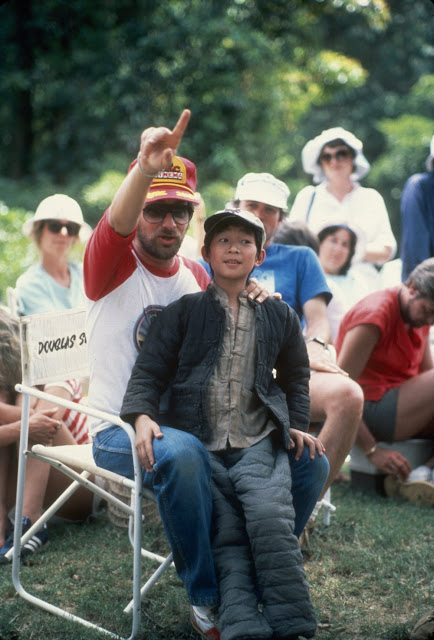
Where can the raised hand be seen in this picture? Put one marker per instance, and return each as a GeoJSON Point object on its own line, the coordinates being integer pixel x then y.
{"type": "Point", "coordinates": [158, 145]}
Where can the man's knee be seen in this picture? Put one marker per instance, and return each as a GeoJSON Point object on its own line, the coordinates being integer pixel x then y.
{"type": "Point", "coordinates": [352, 397]}
{"type": "Point", "coordinates": [181, 452]}
{"type": "Point", "coordinates": [336, 393]}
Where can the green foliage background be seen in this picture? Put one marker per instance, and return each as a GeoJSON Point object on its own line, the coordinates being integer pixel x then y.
{"type": "Point", "coordinates": [80, 81]}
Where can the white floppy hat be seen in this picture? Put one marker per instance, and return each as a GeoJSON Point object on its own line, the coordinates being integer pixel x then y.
{"type": "Point", "coordinates": [262, 187]}
{"type": "Point", "coordinates": [311, 152]}
{"type": "Point", "coordinates": [59, 207]}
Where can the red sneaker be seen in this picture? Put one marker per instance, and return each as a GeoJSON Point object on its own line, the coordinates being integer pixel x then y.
{"type": "Point", "coordinates": [204, 622]}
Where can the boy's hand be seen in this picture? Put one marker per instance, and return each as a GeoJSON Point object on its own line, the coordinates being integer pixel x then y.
{"type": "Point", "coordinates": [300, 439]}
{"type": "Point", "coordinates": [257, 291]}
{"type": "Point", "coordinates": [146, 431]}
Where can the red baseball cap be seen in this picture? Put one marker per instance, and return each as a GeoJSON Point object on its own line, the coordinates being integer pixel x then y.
{"type": "Point", "coordinates": [177, 181]}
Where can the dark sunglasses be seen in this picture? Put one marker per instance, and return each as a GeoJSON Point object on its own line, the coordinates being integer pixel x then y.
{"type": "Point", "coordinates": [155, 213]}
{"type": "Point", "coordinates": [54, 226]}
{"type": "Point", "coordinates": [341, 154]}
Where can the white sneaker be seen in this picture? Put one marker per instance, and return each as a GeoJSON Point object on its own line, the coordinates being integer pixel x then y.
{"type": "Point", "coordinates": [421, 474]}
{"type": "Point", "coordinates": [204, 621]}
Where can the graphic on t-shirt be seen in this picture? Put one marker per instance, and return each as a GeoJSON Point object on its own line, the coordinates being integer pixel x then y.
{"type": "Point", "coordinates": [144, 322]}
{"type": "Point", "coordinates": [266, 277]}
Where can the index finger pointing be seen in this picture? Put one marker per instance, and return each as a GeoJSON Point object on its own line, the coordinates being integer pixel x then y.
{"type": "Point", "coordinates": [179, 128]}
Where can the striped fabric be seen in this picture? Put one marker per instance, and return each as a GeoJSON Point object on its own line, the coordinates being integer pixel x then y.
{"type": "Point", "coordinates": [74, 421]}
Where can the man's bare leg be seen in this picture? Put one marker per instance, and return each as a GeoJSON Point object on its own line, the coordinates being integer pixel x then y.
{"type": "Point", "coordinates": [338, 402]}
{"type": "Point", "coordinates": [415, 411]}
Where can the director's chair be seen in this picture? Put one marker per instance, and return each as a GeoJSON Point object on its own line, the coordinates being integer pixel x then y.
{"type": "Point", "coordinates": [54, 347]}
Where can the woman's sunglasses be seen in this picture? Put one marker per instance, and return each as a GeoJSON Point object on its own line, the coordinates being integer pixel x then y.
{"type": "Point", "coordinates": [54, 226]}
{"type": "Point", "coordinates": [341, 154]}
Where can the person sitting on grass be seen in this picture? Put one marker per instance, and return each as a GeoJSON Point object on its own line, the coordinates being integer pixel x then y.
{"type": "Point", "coordinates": [217, 350]}
{"type": "Point", "coordinates": [43, 483]}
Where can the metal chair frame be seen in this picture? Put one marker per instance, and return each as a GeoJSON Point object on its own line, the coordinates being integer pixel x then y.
{"type": "Point", "coordinates": [80, 456]}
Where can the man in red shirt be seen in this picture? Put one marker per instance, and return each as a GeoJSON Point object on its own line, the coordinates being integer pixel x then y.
{"type": "Point", "coordinates": [383, 343]}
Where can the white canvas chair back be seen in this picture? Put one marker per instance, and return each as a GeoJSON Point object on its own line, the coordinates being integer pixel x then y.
{"type": "Point", "coordinates": [54, 347]}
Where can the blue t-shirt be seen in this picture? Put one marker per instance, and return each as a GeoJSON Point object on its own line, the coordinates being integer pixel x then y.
{"type": "Point", "coordinates": [38, 292]}
{"type": "Point", "coordinates": [417, 221]}
{"type": "Point", "coordinates": [293, 271]}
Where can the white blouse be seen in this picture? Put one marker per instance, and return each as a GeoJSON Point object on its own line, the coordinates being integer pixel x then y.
{"type": "Point", "coordinates": [362, 208]}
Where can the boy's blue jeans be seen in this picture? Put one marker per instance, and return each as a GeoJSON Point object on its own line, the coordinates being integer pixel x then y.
{"type": "Point", "coordinates": [181, 482]}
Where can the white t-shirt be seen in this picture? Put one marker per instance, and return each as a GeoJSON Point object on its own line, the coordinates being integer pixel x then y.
{"type": "Point", "coordinates": [123, 297]}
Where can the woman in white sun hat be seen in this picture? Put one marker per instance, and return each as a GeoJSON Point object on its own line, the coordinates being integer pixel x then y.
{"type": "Point", "coordinates": [336, 161]}
{"type": "Point", "coordinates": [55, 282]}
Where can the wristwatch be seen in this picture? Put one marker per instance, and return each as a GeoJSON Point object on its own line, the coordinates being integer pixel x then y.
{"type": "Point", "coordinates": [319, 340]}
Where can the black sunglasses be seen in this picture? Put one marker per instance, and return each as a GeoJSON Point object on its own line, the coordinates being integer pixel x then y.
{"type": "Point", "coordinates": [155, 213]}
{"type": "Point", "coordinates": [54, 226]}
{"type": "Point", "coordinates": [341, 154]}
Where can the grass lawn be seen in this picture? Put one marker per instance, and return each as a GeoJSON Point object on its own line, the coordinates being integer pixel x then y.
{"type": "Point", "coordinates": [371, 574]}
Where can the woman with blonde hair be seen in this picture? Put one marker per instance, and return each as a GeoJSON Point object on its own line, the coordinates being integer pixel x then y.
{"type": "Point", "coordinates": [56, 281]}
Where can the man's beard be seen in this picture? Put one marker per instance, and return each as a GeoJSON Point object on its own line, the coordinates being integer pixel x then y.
{"type": "Point", "coordinates": [157, 251]}
{"type": "Point", "coordinates": [406, 316]}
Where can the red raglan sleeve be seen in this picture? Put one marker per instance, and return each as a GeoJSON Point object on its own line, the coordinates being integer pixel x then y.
{"type": "Point", "coordinates": [108, 260]}
{"type": "Point", "coordinates": [199, 272]}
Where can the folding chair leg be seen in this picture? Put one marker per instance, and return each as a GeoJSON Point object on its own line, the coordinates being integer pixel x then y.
{"type": "Point", "coordinates": [327, 507]}
{"type": "Point", "coordinates": [152, 580]}
{"type": "Point", "coordinates": [135, 607]}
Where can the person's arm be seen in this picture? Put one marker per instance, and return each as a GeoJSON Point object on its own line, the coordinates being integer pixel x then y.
{"type": "Point", "coordinates": [155, 366]}
{"type": "Point", "coordinates": [416, 240]}
{"type": "Point", "coordinates": [383, 247]}
{"type": "Point", "coordinates": [357, 347]}
{"type": "Point", "coordinates": [318, 326]}
{"type": "Point", "coordinates": [292, 371]}
{"type": "Point", "coordinates": [42, 429]}
{"type": "Point", "coordinates": [389, 461]}
{"type": "Point", "coordinates": [9, 413]}
{"type": "Point", "coordinates": [378, 253]}
{"type": "Point", "coordinates": [292, 374]}
{"type": "Point", "coordinates": [152, 372]}
{"type": "Point", "coordinates": [427, 360]}
{"type": "Point", "coordinates": [158, 145]}
{"type": "Point", "coordinates": [199, 217]}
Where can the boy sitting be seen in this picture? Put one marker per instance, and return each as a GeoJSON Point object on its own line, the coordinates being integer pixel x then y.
{"type": "Point", "coordinates": [218, 350]}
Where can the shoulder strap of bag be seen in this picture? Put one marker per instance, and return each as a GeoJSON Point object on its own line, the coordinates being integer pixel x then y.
{"type": "Point", "coordinates": [310, 205]}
